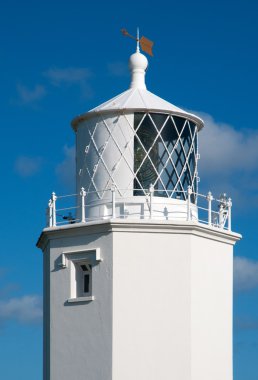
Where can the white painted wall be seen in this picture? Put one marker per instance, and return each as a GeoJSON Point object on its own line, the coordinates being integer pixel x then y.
{"type": "Point", "coordinates": [211, 309]}
{"type": "Point", "coordinates": [78, 342]}
{"type": "Point", "coordinates": [151, 306]}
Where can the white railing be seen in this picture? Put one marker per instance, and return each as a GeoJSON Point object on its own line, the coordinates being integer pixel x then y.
{"type": "Point", "coordinates": [210, 211]}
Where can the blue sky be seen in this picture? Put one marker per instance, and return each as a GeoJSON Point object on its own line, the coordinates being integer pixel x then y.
{"type": "Point", "coordinates": [61, 58]}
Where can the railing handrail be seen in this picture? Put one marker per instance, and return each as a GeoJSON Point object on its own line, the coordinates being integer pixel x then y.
{"type": "Point", "coordinates": [220, 218]}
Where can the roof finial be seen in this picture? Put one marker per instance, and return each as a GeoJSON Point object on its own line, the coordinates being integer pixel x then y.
{"type": "Point", "coordinates": [138, 64]}
{"type": "Point", "coordinates": [138, 42]}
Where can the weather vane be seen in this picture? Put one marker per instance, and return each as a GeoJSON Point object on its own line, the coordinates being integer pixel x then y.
{"type": "Point", "coordinates": [145, 43]}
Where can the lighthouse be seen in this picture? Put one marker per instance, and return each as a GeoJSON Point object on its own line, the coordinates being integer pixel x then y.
{"type": "Point", "coordinates": [138, 263]}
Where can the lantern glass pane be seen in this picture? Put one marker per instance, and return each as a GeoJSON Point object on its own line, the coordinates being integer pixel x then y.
{"type": "Point", "coordinates": [165, 148]}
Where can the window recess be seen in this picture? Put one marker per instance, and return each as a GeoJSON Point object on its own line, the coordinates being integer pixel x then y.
{"type": "Point", "coordinates": [81, 265]}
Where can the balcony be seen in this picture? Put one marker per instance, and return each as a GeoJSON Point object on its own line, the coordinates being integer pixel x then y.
{"type": "Point", "coordinates": [109, 204]}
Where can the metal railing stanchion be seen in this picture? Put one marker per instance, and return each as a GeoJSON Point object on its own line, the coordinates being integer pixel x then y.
{"type": "Point", "coordinates": [189, 192]}
{"type": "Point", "coordinates": [151, 191]}
{"type": "Point", "coordinates": [53, 199]}
{"type": "Point", "coordinates": [209, 199]}
{"type": "Point", "coordinates": [83, 195]}
{"type": "Point", "coordinates": [229, 213]}
{"type": "Point", "coordinates": [113, 190]}
{"type": "Point", "coordinates": [49, 212]}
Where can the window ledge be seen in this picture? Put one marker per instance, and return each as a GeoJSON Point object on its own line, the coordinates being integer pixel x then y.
{"type": "Point", "coordinates": [81, 299]}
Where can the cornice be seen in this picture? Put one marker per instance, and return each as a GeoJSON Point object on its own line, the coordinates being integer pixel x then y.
{"type": "Point", "coordinates": [137, 226]}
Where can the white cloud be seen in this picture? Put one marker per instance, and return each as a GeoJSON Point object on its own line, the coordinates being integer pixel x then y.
{"type": "Point", "coordinates": [66, 169]}
{"type": "Point", "coordinates": [118, 69]}
{"type": "Point", "coordinates": [26, 309]}
{"type": "Point", "coordinates": [229, 162]}
{"type": "Point", "coordinates": [69, 75]}
{"type": "Point", "coordinates": [225, 150]}
{"type": "Point", "coordinates": [27, 166]}
{"type": "Point", "coordinates": [28, 96]}
{"type": "Point", "coordinates": [245, 274]}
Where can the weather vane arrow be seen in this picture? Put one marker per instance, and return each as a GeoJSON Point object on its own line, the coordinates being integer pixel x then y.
{"type": "Point", "coordinates": [145, 44]}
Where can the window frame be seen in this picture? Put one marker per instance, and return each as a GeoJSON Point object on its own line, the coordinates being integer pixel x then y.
{"type": "Point", "coordinates": [72, 261]}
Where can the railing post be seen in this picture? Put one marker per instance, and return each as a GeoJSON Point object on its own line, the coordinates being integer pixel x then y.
{"type": "Point", "coordinates": [113, 190]}
{"type": "Point", "coordinates": [222, 208]}
{"type": "Point", "coordinates": [229, 213]}
{"type": "Point", "coordinates": [49, 213]}
{"type": "Point", "coordinates": [221, 212]}
{"type": "Point", "coordinates": [209, 199]}
{"type": "Point", "coordinates": [83, 195]}
{"type": "Point", "coordinates": [53, 199]}
{"type": "Point", "coordinates": [189, 192]}
{"type": "Point", "coordinates": [151, 191]}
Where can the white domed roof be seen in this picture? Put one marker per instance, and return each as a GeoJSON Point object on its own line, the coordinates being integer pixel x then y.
{"type": "Point", "coordinates": [137, 98]}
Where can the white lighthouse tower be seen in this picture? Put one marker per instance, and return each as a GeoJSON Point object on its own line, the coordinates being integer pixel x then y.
{"type": "Point", "coordinates": [138, 276]}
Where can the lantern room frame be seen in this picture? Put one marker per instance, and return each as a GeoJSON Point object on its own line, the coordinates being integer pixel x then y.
{"type": "Point", "coordinates": [174, 170]}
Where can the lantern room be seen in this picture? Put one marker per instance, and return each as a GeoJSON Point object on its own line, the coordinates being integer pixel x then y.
{"type": "Point", "coordinates": [134, 144]}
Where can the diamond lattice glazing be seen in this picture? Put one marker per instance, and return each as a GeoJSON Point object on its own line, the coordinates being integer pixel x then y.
{"type": "Point", "coordinates": [165, 149]}
{"type": "Point", "coordinates": [152, 148]}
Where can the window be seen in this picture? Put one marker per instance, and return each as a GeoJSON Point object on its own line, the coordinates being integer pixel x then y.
{"type": "Point", "coordinates": [165, 150]}
{"type": "Point", "coordinates": [80, 266]}
{"type": "Point", "coordinates": [83, 279]}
